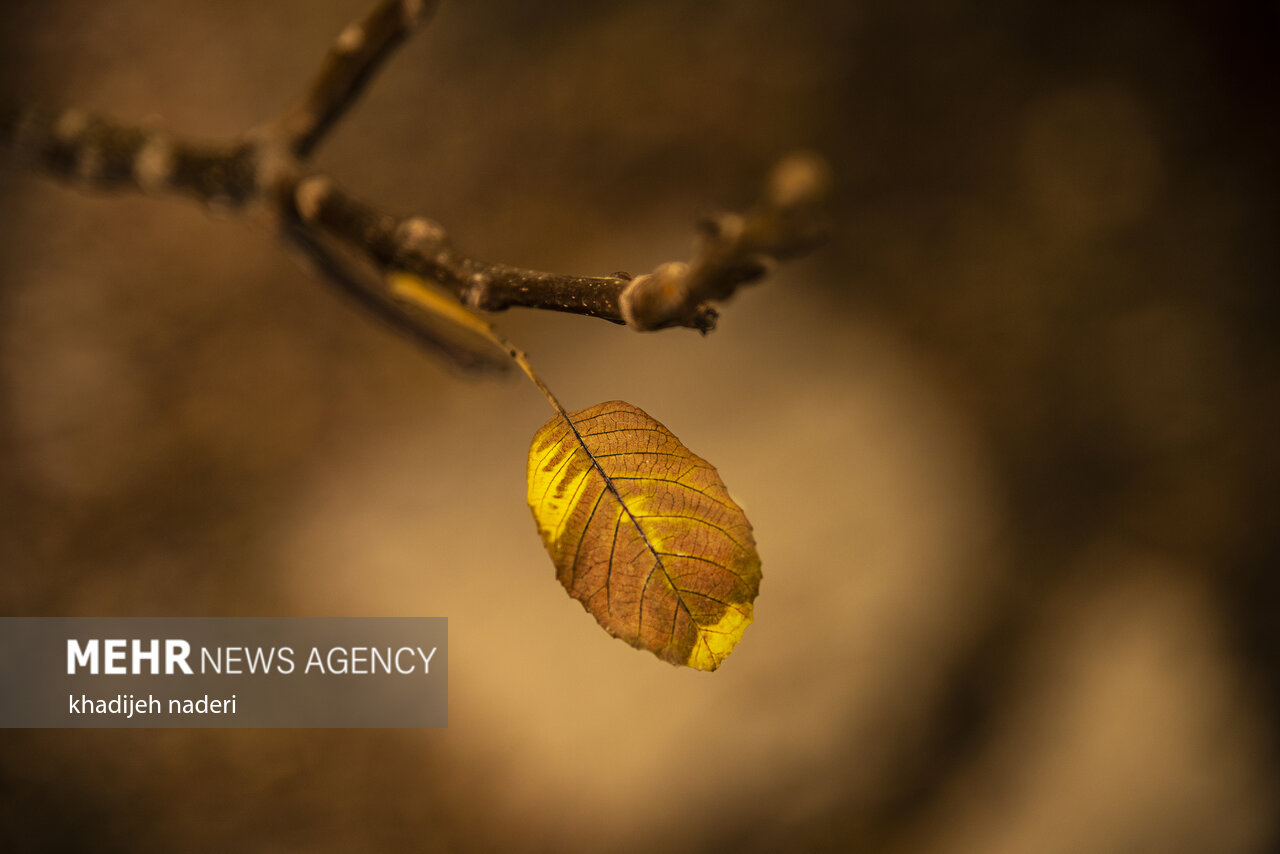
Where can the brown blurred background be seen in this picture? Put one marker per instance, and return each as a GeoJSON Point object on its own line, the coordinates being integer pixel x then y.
{"type": "Point", "coordinates": [1008, 441]}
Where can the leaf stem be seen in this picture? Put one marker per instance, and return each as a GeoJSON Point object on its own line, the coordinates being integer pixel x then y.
{"type": "Point", "coordinates": [423, 295]}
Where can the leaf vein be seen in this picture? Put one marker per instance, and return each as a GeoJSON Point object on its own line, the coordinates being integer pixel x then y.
{"type": "Point", "coordinates": [577, 554]}
{"type": "Point", "coordinates": [714, 563]}
{"type": "Point", "coordinates": [554, 477]}
{"type": "Point", "coordinates": [706, 522]}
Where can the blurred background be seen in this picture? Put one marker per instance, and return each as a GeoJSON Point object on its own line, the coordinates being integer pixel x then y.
{"type": "Point", "coordinates": [1008, 440]}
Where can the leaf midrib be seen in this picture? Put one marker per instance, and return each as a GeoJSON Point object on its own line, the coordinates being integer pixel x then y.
{"type": "Point", "coordinates": [657, 556]}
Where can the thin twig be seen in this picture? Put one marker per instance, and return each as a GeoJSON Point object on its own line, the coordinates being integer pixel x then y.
{"type": "Point", "coordinates": [734, 249]}
{"type": "Point", "coordinates": [354, 57]}
{"type": "Point", "coordinates": [417, 245]}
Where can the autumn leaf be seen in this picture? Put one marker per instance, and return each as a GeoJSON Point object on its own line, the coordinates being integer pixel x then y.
{"type": "Point", "coordinates": [643, 533]}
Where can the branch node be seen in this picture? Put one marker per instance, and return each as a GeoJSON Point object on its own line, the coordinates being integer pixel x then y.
{"type": "Point", "coordinates": [651, 301]}
{"type": "Point", "coordinates": [70, 125]}
{"type": "Point", "coordinates": [349, 40]}
{"type": "Point", "coordinates": [412, 11]}
{"type": "Point", "coordinates": [154, 163]}
{"type": "Point", "coordinates": [418, 233]}
{"type": "Point", "coordinates": [273, 168]}
{"type": "Point", "coordinates": [310, 195]}
{"type": "Point", "coordinates": [726, 226]}
{"type": "Point", "coordinates": [802, 179]}
{"type": "Point", "coordinates": [473, 294]}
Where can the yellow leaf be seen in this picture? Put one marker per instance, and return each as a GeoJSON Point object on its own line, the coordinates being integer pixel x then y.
{"type": "Point", "coordinates": [420, 292]}
{"type": "Point", "coordinates": [643, 533]}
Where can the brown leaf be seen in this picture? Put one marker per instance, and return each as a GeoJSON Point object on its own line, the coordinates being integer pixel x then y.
{"type": "Point", "coordinates": [643, 533]}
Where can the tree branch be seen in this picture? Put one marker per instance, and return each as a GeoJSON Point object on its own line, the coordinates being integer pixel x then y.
{"type": "Point", "coordinates": [268, 169]}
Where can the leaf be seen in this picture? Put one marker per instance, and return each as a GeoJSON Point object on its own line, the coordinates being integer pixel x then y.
{"type": "Point", "coordinates": [643, 533]}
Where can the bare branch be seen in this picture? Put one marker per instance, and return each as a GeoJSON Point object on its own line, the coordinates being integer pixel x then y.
{"type": "Point", "coordinates": [266, 169]}
{"type": "Point", "coordinates": [354, 57]}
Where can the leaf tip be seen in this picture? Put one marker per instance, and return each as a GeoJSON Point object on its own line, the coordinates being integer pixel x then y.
{"type": "Point", "coordinates": [716, 642]}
